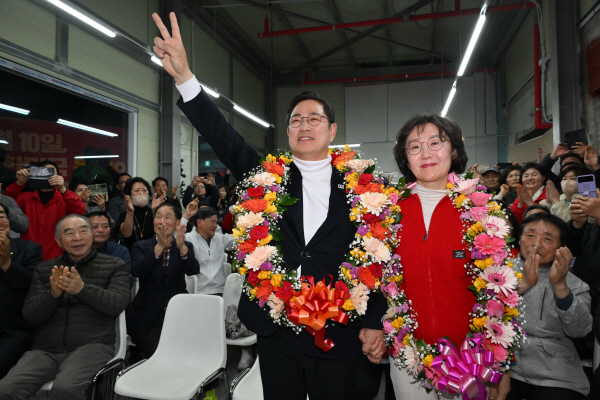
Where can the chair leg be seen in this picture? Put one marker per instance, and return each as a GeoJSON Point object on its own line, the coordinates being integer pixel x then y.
{"type": "Point", "coordinates": [226, 379]}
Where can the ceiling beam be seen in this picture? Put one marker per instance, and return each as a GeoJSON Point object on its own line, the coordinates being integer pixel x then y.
{"type": "Point", "coordinates": [338, 20]}
{"type": "Point", "coordinates": [388, 33]}
{"type": "Point", "coordinates": [296, 38]}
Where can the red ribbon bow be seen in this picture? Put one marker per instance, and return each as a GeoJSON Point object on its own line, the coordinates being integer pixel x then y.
{"type": "Point", "coordinates": [467, 372]}
{"type": "Point", "coordinates": [314, 305]}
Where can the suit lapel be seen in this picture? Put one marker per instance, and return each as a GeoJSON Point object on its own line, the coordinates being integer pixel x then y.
{"type": "Point", "coordinates": [338, 207]}
{"type": "Point", "coordinates": [296, 210]}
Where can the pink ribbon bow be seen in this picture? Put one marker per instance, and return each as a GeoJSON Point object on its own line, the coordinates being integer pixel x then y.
{"type": "Point", "coordinates": [466, 372]}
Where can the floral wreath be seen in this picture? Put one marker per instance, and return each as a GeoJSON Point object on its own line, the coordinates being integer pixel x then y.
{"type": "Point", "coordinates": [299, 302]}
{"type": "Point", "coordinates": [494, 332]}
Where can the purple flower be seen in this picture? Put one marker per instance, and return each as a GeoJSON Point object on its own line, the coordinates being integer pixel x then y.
{"type": "Point", "coordinates": [266, 223]}
{"type": "Point", "coordinates": [479, 187]}
{"type": "Point", "coordinates": [362, 230]}
{"type": "Point", "coordinates": [476, 307]}
{"type": "Point", "coordinates": [402, 332]}
{"type": "Point", "coordinates": [355, 201]}
{"type": "Point", "coordinates": [489, 292]}
{"type": "Point", "coordinates": [465, 215]}
{"type": "Point", "coordinates": [476, 254]}
{"type": "Point", "coordinates": [402, 309]}
{"type": "Point", "coordinates": [241, 256]}
{"type": "Point", "coordinates": [516, 324]}
{"type": "Point", "coordinates": [479, 335]}
{"type": "Point", "coordinates": [347, 265]}
{"type": "Point", "coordinates": [275, 189]}
{"type": "Point", "coordinates": [354, 272]}
{"type": "Point", "coordinates": [274, 216]}
{"type": "Point", "coordinates": [267, 266]}
{"type": "Point", "coordinates": [246, 196]}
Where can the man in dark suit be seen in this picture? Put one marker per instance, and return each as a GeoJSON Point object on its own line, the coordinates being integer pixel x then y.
{"type": "Point", "coordinates": [161, 264]}
{"type": "Point", "coordinates": [317, 233]}
{"type": "Point", "coordinates": [18, 259]}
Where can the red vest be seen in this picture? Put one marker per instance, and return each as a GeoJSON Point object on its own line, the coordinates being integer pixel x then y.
{"type": "Point", "coordinates": [434, 275]}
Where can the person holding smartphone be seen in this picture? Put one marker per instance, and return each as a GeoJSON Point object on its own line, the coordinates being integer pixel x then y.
{"type": "Point", "coordinates": [45, 206]}
{"type": "Point", "coordinates": [204, 189]}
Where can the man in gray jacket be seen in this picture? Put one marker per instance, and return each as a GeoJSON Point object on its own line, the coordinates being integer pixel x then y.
{"type": "Point", "coordinates": [558, 307]}
{"type": "Point", "coordinates": [74, 301]}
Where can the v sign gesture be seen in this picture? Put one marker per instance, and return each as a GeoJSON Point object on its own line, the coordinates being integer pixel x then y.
{"type": "Point", "coordinates": [170, 50]}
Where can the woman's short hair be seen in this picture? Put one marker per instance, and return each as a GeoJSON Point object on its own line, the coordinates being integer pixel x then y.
{"type": "Point", "coordinates": [507, 172]}
{"type": "Point", "coordinates": [538, 167]}
{"type": "Point", "coordinates": [129, 185]}
{"type": "Point", "coordinates": [449, 130]}
{"type": "Point", "coordinates": [579, 170]}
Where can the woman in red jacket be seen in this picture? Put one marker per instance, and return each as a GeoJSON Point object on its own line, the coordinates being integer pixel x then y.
{"type": "Point", "coordinates": [532, 189]}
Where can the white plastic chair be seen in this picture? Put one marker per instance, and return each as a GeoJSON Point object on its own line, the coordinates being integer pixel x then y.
{"type": "Point", "coordinates": [191, 284]}
{"type": "Point", "coordinates": [231, 296]}
{"type": "Point", "coordinates": [191, 352]}
{"type": "Point", "coordinates": [593, 363]}
{"type": "Point", "coordinates": [112, 367]}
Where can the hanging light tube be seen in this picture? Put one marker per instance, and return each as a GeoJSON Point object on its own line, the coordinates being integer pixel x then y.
{"type": "Point", "coordinates": [250, 115]}
{"type": "Point", "coordinates": [472, 44]}
{"type": "Point", "coordinates": [3, 142]}
{"type": "Point", "coordinates": [14, 109]}
{"type": "Point", "coordinates": [449, 101]}
{"type": "Point", "coordinates": [341, 146]}
{"type": "Point", "coordinates": [85, 128]}
{"type": "Point", "coordinates": [105, 156]}
{"type": "Point", "coordinates": [83, 17]}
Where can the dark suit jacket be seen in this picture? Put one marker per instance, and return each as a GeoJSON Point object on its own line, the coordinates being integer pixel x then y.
{"type": "Point", "coordinates": [156, 287]}
{"type": "Point", "coordinates": [323, 255]}
{"type": "Point", "coordinates": [14, 286]}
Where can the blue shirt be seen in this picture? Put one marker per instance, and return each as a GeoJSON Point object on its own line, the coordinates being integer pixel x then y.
{"type": "Point", "coordinates": [116, 250]}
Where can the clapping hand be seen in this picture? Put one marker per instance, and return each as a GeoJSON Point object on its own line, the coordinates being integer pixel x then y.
{"type": "Point", "coordinates": [560, 150]}
{"type": "Point", "coordinates": [191, 209]}
{"type": "Point", "coordinates": [174, 191]}
{"type": "Point", "coordinates": [129, 204]}
{"type": "Point", "coordinates": [524, 196]}
{"type": "Point", "coordinates": [590, 157]}
{"type": "Point", "coordinates": [170, 50]}
{"type": "Point", "coordinates": [531, 270]}
{"type": "Point", "coordinates": [179, 240]}
{"type": "Point", "coordinates": [504, 190]}
{"type": "Point", "coordinates": [162, 238]}
{"type": "Point", "coordinates": [70, 282]}
{"type": "Point", "coordinates": [552, 193]}
{"type": "Point", "coordinates": [57, 272]}
{"type": "Point", "coordinates": [4, 252]}
{"type": "Point", "coordinates": [157, 201]}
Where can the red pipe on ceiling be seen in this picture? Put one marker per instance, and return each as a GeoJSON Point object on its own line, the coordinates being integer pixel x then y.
{"type": "Point", "coordinates": [308, 81]}
{"type": "Point", "coordinates": [537, 79]}
{"type": "Point", "coordinates": [385, 21]}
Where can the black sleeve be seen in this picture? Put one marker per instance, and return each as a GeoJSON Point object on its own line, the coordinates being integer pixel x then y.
{"type": "Point", "coordinates": [20, 273]}
{"type": "Point", "coordinates": [213, 199]}
{"type": "Point", "coordinates": [548, 163]}
{"type": "Point", "coordinates": [187, 196]}
{"type": "Point", "coordinates": [229, 145]}
{"type": "Point", "coordinates": [575, 240]}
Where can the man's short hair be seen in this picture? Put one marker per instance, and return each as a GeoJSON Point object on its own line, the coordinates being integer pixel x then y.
{"type": "Point", "coordinates": [47, 162]}
{"type": "Point", "coordinates": [57, 226]}
{"type": "Point", "coordinates": [569, 155]}
{"type": "Point", "coordinates": [160, 178]}
{"type": "Point", "coordinates": [78, 180]}
{"type": "Point", "coordinates": [308, 95]}
{"type": "Point", "coordinates": [536, 207]}
{"type": "Point", "coordinates": [176, 210]}
{"type": "Point", "coordinates": [202, 213]}
{"type": "Point", "coordinates": [100, 214]}
{"type": "Point", "coordinates": [130, 182]}
{"type": "Point", "coordinates": [121, 175]}
{"type": "Point", "coordinates": [563, 228]}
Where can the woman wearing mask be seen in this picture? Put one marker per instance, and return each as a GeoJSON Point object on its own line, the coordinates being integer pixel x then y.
{"type": "Point", "coordinates": [531, 189]}
{"type": "Point", "coordinates": [559, 203]}
{"type": "Point", "coordinates": [137, 222]}
{"type": "Point", "coordinates": [509, 181]}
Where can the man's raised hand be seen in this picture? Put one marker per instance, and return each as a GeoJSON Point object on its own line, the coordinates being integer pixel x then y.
{"type": "Point", "coordinates": [170, 50]}
{"type": "Point", "coordinates": [191, 209]}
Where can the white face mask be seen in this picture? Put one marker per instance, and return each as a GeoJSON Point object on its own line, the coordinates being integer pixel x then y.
{"type": "Point", "coordinates": [569, 187]}
{"type": "Point", "coordinates": [140, 200]}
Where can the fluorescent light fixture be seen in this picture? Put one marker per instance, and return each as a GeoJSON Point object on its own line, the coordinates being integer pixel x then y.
{"type": "Point", "coordinates": [106, 156]}
{"type": "Point", "coordinates": [341, 146]}
{"type": "Point", "coordinates": [85, 128]}
{"type": "Point", "coordinates": [472, 43]}
{"type": "Point", "coordinates": [3, 142]}
{"type": "Point", "coordinates": [450, 97]}
{"type": "Point", "coordinates": [14, 109]}
{"type": "Point", "coordinates": [156, 60]}
{"type": "Point", "coordinates": [84, 18]}
{"type": "Point", "coordinates": [215, 94]}
{"type": "Point", "coordinates": [250, 115]}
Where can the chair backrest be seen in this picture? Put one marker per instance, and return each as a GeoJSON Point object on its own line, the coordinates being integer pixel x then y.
{"type": "Point", "coordinates": [121, 341]}
{"type": "Point", "coordinates": [193, 331]}
{"type": "Point", "coordinates": [191, 284]}
{"type": "Point", "coordinates": [233, 290]}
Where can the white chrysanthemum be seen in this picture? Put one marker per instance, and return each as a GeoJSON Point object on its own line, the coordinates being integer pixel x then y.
{"type": "Point", "coordinates": [249, 220]}
{"type": "Point", "coordinates": [500, 278]}
{"type": "Point", "coordinates": [359, 295]}
{"type": "Point", "coordinates": [374, 202]}
{"type": "Point", "coordinates": [359, 165]}
{"type": "Point", "coordinates": [260, 255]}
{"type": "Point", "coordinates": [495, 226]}
{"type": "Point", "coordinates": [376, 249]}
{"type": "Point", "coordinates": [263, 179]}
{"type": "Point", "coordinates": [411, 358]}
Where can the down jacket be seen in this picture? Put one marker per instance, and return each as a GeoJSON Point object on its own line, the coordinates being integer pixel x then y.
{"type": "Point", "coordinates": [71, 321]}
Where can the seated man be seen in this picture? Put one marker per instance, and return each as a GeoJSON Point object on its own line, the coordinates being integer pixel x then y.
{"type": "Point", "coordinates": [160, 186]}
{"type": "Point", "coordinates": [558, 307]}
{"type": "Point", "coordinates": [44, 207]}
{"type": "Point", "coordinates": [74, 301]}
{"type": "Point", "coordinates": [203, 189]}
{"type": "Point", "coordinates": [161, 264]}
{"type": "Point", "coordinates": [101, 231]}
{"type": "Point", "coordinates": [18, 258]}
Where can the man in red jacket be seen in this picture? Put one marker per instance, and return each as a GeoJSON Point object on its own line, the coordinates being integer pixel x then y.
{"type": "Point", "coordinates": [45, 207]}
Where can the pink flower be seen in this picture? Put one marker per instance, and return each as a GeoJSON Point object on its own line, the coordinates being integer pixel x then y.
{"type": "Point", "coordinates": [430, 373]}
{"type": "Point", "coordinates": [488, 244]}
{"type": "Point", "coordinates": [277, 305]}
{"type": "Point", "coordinates": [500, 278]}
{"type": "Point", "coordinates": [255, 259]}
{"type": "Point", "coordinates": [391, 289]}
{"type": "Point", "coordinates": [452, 178]}
{"type": "Point", "coordinates": [394, 198]}
{"type": "Point", "coordinates": [465, 187]}
{"type": "Point", "coordinates": [398, 345]}
{"type": "Point", "coordinates": [387, 327]}
{"type": "Point", "coordinates": [479, 198]}
{"type": "Point", "coordinates": [500, 353]}
{"type": "Point", "coordinates": [376, 249]}
{"type": "Point", "coordinates": [374, 202]}
{"type": "Point", "coordinates": [359, 295]}
{"type": "Point", "coordinates": [499, 333]}
{"type": "Point", "coordinates": [478, 213]}
{"type": "Point", "coordinates": [499, 256]}
{"type": "Point", "coordinates": [511, 299]}
{"type": "Point", "coordinates": [359, 165]}
{"type": "Point", "coordinates": [495, 309]}
{"type": "Point", "coordinates": [495, 226]}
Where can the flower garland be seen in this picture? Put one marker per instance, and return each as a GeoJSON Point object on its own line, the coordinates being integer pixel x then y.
{"type": "Point", "coordinates": [299, 302]}
{"type": "Point", "coordinates": [494, 332]}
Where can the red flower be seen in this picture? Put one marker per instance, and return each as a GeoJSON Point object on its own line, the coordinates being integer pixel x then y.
{"type": "Point", "coordinates": [379, 231]}
{"type": "Point", "coordinates": [259, 232]}
{"type": "Point", "coordinates": [255, 205]}
{"type": "Point", "coordinates": [263, 291]}
{"type": "Point", "coordinates": [280, 162]}
{"type": "Point", "coordinates": [370, 218]}
{"type": "Point", "coordinates": [273, 168]}
{"type": "Point", "coordinates": [256, 192]}
{"type": "Point", "coordinates": [285, 291]}
{"type": "Point", "coordinates": [360, 189]}
{"type": "Point", "coordinates": [248, 246]}
{"type": "Point", "coordinates": [344, 158]}
{"type": "Point", "coordinates": [376, 270]}
{"type": "Point", "coordinates": [334, 156]}
{"type": "Point", "coordinates": [374, 187]}
{"type": "Point", "coordinates": [253, 278]}
{"type": "Point", "coordinates": [364, 179]}
{"type": "Point", "coordinates": [366, 276]}
{"type": "Point", "coordinates": [340, 285]}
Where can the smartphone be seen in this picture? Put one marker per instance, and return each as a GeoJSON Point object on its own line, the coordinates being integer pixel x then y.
{"type": "Point", "coordinates": [503, 165]}
{"type": "Point", "coordinates": [38, 177]}
{"type": "Point", "coordinates": [586, 185]}
{"type": "Point", "coordinates": [483, 167]}
{"type": "Point", "coordinates": [571, 138]}
{"type": "Point", "coordinates": [99, 188]}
